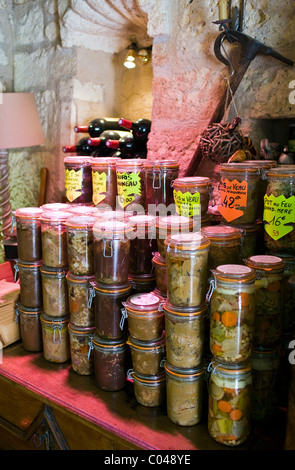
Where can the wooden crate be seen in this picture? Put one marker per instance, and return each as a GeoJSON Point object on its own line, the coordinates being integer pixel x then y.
{"type": "Point", "coordinates": [9, 296]}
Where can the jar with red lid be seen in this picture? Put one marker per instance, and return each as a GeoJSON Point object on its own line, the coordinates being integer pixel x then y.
{"type": "Point", "coordinates": [55, 291]}
{"type": "Point", "coordinates": [269, 292]}
{"type": "Point", "coordinates": [187, 269]}
{"type": "Point", "coordinates": [130, 185]}
{"type": "Point", "coordinates": [108, 309]}
{"type": "Point", "coordinates": [171, 225]}
{"type": "Point", "coordinates": [232, 312]}
{"type": "Point", "coordinates": [147, 356]}
{"type": "Point", "coordinates": [160, 270]}
{"type": "Point", "coordinates": [149, 390]}
{"type": "Point", "coordinates": [104, 181]}
{"type": "Point", "coordinates": [78, 179]}
{"type": "Point", "coordinates": [30, 328]}
{"type": "Point", "coordinates": [81, 294]}
{"type": "Point", "coordinates": [54, 238]}
{"type": "Point", "coordinates": [145, 316]}
{"type": "Point", "coordinates": [159, 175]}
{"type": "Point", "coordinates": [111, 251]}
{"type": "Point", "coordinates": [143, 243]}
{"type": "Point", "coordinates": [81, 355]}
{"type": "Point", "coordinates": [225, 246]}
{"type": "Point", "coordinates": [55, 337]}
{"type": "Point", "coordinates": [192, 195]}
{"type": "Point", "coordinates": [30, 281]}
{"type": "Point", "coordinates": [80, 245]}
{"type": "Point", "coordinates": [28, 230]}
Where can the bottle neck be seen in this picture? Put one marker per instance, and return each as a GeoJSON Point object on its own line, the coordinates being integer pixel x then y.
{"type": "Point", "coordinates": [114, 144]}
{"type": "Point", "coordinates": [83, 129]}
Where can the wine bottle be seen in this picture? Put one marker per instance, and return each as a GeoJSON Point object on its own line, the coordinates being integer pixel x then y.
{"type": "Point", "coordinates": [99, 125]}
{"type": "Point", "coordinates": [140, 129]}
{"type": "Point", "coordinates": [128, 146]}
{"type": "Point", "coordinates": [81, 148]}
{"type": "Point", "coordinates": [99, 143]}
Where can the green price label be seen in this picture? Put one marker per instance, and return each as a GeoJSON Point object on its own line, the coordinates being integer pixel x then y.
{"type": "Point", "coordinates": [187, 204]}
{"type": "Point", "coordinates": [128, 186]}
{"type": "Point", "coordinates": [278, 213]}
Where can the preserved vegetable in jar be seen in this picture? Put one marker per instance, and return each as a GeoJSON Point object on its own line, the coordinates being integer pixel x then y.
{"type": "Point", "coordinates": [108, 309]}
{"type": "Point", "coordinates": [192, 195]}
{"type": "Point", "coordinates": [187, 269]}
{"type": "Point", "coordinates": [159, 176]}
{"type": "Point", "coordinates": [55, 336]}
{"type": "Point", "coordinates": [78, 179]}
{"type": "Point", "coordinates": [171, 225]}
{"type": "Point", "coordinates": [30, 328]}
{"type": "Point", "coordinates": [104, 181]}
{"type": "Point", "coordinates": [185, 394]}
{"type": "Point", "coordinates": [80, 245]}
{"type": "Point", "coordinates": [28, 230]}
{"type": "Point", "coordinates": [55, 291]}
{"type": "Point", "coordinates": [147, 356]}
{"type": "Point", "coordinates": [185, 335]}
{"type": "Point", "coordinates": [30, 281]}
{"type": "Point", "coordinates": [131, 184]}
{"type": "Point", "coordinates": [81, 355]}
{"type": "Point", "coordinates": [225, 246]}
{"type": "Point", "coordinates": [269, 293]}
{"type": "Point", "coordinates": [229, 410]}
{"type": "Point", "coordinates": [232, 314]}
{"type": "Point", "coordinates": [80, 295]}
{"type": "Point", "coordinates": [160, 270]}
{"type": "Point", "coordinates": [111, 251]}
{"type": "Point", "coordinates": [142, 244]}
{"type": "Point", "coordinates": [54, 238]}
{"type": "Point", "coordinates": [145, 316]}
{"type": "Point", "coordinates": [149, 390]}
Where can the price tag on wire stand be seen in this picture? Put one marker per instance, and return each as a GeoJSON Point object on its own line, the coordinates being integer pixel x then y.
{"type": "Point", "coordinates": [279, 213]}
{"type": "Point", "coordinates": [233, 195]}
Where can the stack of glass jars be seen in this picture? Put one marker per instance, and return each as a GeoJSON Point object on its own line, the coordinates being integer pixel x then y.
{"type": "Point", "coordinates": [159, 176]}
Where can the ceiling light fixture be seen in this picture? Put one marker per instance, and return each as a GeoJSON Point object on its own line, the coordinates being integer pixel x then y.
{"type": "Point", "coordinates": [143, 55]}
{"type": "Point", "coordinates": [129, 62]}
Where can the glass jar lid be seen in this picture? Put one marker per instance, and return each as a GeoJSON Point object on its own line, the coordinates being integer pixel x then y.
{"type": "Point", "coordinates": [248, 229]}
{"type": "Point", "coordinates": [285, 171]}
{"type": "Point", "coordinates": [28, 264]}
{"type": "Point", "coordinates": [174, 222]}
{"type": "Point", "coordinates": [54, 321]}
{"type": "Point", "coordinates": [147, 379]}
{"type": "Point", "coordinates": [28, 212]}
{"type": "Point", "coordinates": [58, 272]}
{"type": "Point", "coordinates": [266, 263]}
{"type": "Point", "coordinates": [230, 369]}
{"type": "Point", "coordinates": [187, 242]}
{"type": "Point", "coordinates": [111, 229]}
{"type": "Point", "coordinates": [81, 222]}
{"type": "Point", "coordinates": [142, 220]}
{"type": "Point", "coordinates": [79, 279]}
{"type": "Point", "coordinates": [112, 289]}
{"type": "Point", "coordinates": [78, 159]}
{"type": "Point", "coordinates": [29, 311]}
{"type": "Point", "coordinates": [147, 345]}
{"type": "Point", "coordinates": [82, 210]}
{"type": "Point", "coordinates": [159, 260]}
{"type": "Point", "coordinates": [108, 344]}
{"type": "Point", "coordinates": [85, 330]}
{"type": "Point", "coordinates": [185, 311]}
{"type": "Point", "coordinates": [143, 303]}
{"type": "Point", "coordinates": [217, 233]}
{"type": "Point", "coordinates": [234, 272]}
{"type": "Point", "coordinates": [192, 181]}
{"type": "Point", "coordinates": [239, 168]}
{"type": "Point", "coordinates": [187, 373]}
{"type": "Point", "coordinates": [109, 214]}
{"type": "Point", "coordinates": [56, 206]}
{"type": "Point", "coordinates": [129, 164]}
{"type": "Point", "coordinates": [102, 162]}
{"type": "Point", "coordinates": [55, 217]}
{"type": "Point", "coordinates": [160, 164]}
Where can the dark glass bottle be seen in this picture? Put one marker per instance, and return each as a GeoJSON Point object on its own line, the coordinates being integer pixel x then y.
{"type": "Point", "coordinates": [99, 125]}
{"type": "Point", "coordinates": [81, 148]}
{"type": "Point", "coordinates": [99, 144]}
{"type": "Point", "coordinates": [128, 146]}
{"type": "Point", "coordinates": [140, 129]}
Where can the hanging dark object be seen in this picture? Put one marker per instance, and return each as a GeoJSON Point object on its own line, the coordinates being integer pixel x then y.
{"type": "Point", "coordinates": [221, 140]}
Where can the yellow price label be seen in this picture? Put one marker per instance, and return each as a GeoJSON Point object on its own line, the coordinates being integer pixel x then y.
{"type": "Point", "coordinates": [99, 186]}
{"type": "Point", "coordinates": [128, 185]}
{"type": "Point", "coordinates": [187, 204]}
{"type": "Point", "coordinates": [73, 184]}
{"type": "Point", "coordinates": [279, 213]}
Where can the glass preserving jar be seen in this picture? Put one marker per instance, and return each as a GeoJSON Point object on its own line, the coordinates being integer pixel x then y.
{"type": "Point", "coordinates": [187, 269]}
{"type": "Point", "coordinates": [56, 206]}
{"type": "Point", "coordinates": [105, 215]}
{"type": "Point", "coordinates": [147, 356]}
{"type": "Point", "coordinates": [171, 225]}
{"type": "Point", "coordinates": [149, 390]}
{"type": "Point", "coordinates": [185, 394]}
{"type": "Point", "coordinates": [104, 181]}
{"type": "Point", "coordinates": [78, 179]}
{"type": "Point", "coordinates": [81, 355]}
{"type": "Point", "coordinates": [28, 230]}
{"type": "Point", "coordinates": [55, 291]}
{"type": "Point", "coordinates": [192, 195]}
{"type": "Point", "coordinates": [55, 336]}
{"type": "Point", "coordinates": [265, 367]}
{"type": "Point", "coordinates": [110, 363]}
{"type": "Point", "coordinates": [269, 293]}
{"type": "Point", "coordinates": [80, 295]}
{"type": "Point", "coordinates": [145, 316]}
{"type": "Point", "coordinates": [82, 210]}
{"type": "Point", "coordinates": [30, 328]}
{"type": "Point", "coordinates": [111, 251]}
{"type": "Point", "coordinates": [185, 335]}
{"type": "Point", "coordinates": [232, 313]}
{"type": "Point", "coordinates": [80, 245]}
{"type": "Point", "coordinates": [30, 281]}
{"type": "Point", "coordinates": [142, 244]}
{"type": "Point", "coordinates": [159, 176]}
{"type": "Point", "coordinates": [142, 283]}
{"type": "Point", "coordinates": [225, 246]}
{"type": "Point", "coordinates": [160, 271]}
{"type": "Point", "coordinates": [108, 310]}
{"type": "Point", "coordinates": [54, 238]}
{"type": "Point", "coordinates": [289, 293]}
{"type": "Point", "coordinates": [238, 189]}
{"type": "Point", "coordinates": [249, 241]}
{"type": "Point", "coordinates": [130, 185]}
{"type": "Point", "coordinates": [229, 410]}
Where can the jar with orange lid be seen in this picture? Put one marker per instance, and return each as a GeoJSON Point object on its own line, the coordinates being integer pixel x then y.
{"type": "Point", "coordinates": [80, 295]}
{"type": "Point", "coordinates": [78, 179]}
{"type": "Point", "coordinates": [147, 356]}
{"type": "Point", "coordinates": [104, 181]}
{"type": "Point", "coordinates": [192, 195]}
{"type": "Point", "coordinates": [130, 185]}
{"type": "Point", "coordinates": [185, 334]}
{"type": "Point", "coordinates": [81, 355]}
{"type": "Point", "coordinates": [269, 292]}
{"type": "Point", "coordinates": [225, 246]}
{"type": "Point", "coordinates": [239, 191]}
{"type": "Point", "coordinates": [111, 251]}
{"type": "Point", "coordinates": [108, 309]}
{"type": "Point", "coordinates": [232, 312]}
{"type": "Point", "coordinates": [171, 225]}
{"type": "Point", "coordinates": [54, 238]}
{"type": "Point", "coordinates": [80, 244]}
{"type": "Point", "coordinates": [279, 210]}
{"type": "Point", "coordinates": [55, 336]}
{"type": "Point", "coordinates": [142, 283]}
{"type": "Point", "coordinates": [145, 316]}
{"type": "Point", "coordinates": [160, 271]}
{"type": "Point", "coordinates": [54, 291]}
{"type": "Point", "coordinates": [159, 175]}
{"type": "Point", "coordinates": [28, 230]}
{"type": "Point", "coordinates": [30, 328]}
{"type": "Point", "coordinates": [229, 409]}
{"type": "Point", "coordinates": [185, 389]}
{"type": "Point", "coordinates": [149, 390]}
{"type": "Point", "coordinates": [143, 244]}
{"type": "Point", "coordinates": [30, 281]}
{"type": "Point", "coordinates": [187, 269]}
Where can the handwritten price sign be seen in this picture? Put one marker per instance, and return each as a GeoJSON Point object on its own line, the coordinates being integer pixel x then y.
{"type": "Point", "coordinates": [278, 213]}
{"type": "Point", "coordinates": [233, 195]}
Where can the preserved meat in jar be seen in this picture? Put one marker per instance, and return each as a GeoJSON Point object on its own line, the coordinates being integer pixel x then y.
{"type": "Point", "coordinates": [192, 195]}
{"type": "Point", "coordinates": [131, 185]}
{"type": "Point", "coordinates": [185, 335]}
{"type": "Point", "coordinates": [104, 181]}
{"type": "Point", "coordinates": [80, 295]}
{"type": "Point", "coordinates": [54, 238]}
{"type": "Point", "coordinates": [229, 413]}
{"type": "Point", "coordinates": [143, 244]}
{"type": "Point", "coordinates": [80, 245]}
{"type": "Point", "coordinates": [171, 225]}
{"type": "Point", "coordinates": [78, 179]}
{"type": "Point", "coordinates": [187, 269]}
{"type": "Point", "coordinates": [185, 394]}
{"type": "Point", "coordinates": [30, 281]}
{"type": "Point", "coordinates": [232, 314]}
{"type": "Point", "coordinates": [28, 230]}
{"type": "Point", "coordinates": [55, 336]}
{"type": "Point", "coordinates": [30, 328]}
{"type": "Point", "coordinates": [147, 356]}
{"type": "Point", "coordinates": [81, 355]}
{"type": "Point", "coordinates": [55, 292]}
{"type": "Point", "coordinates": [269, 293]}
{"type": "Point", "coordinates": [159, 176]}
{"type": "Point", "coordinates": [160, 270]}
{"type": "Point", "coordinates": [225, 246]}
{"type": "Point", "coordinates": [149, 390]}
